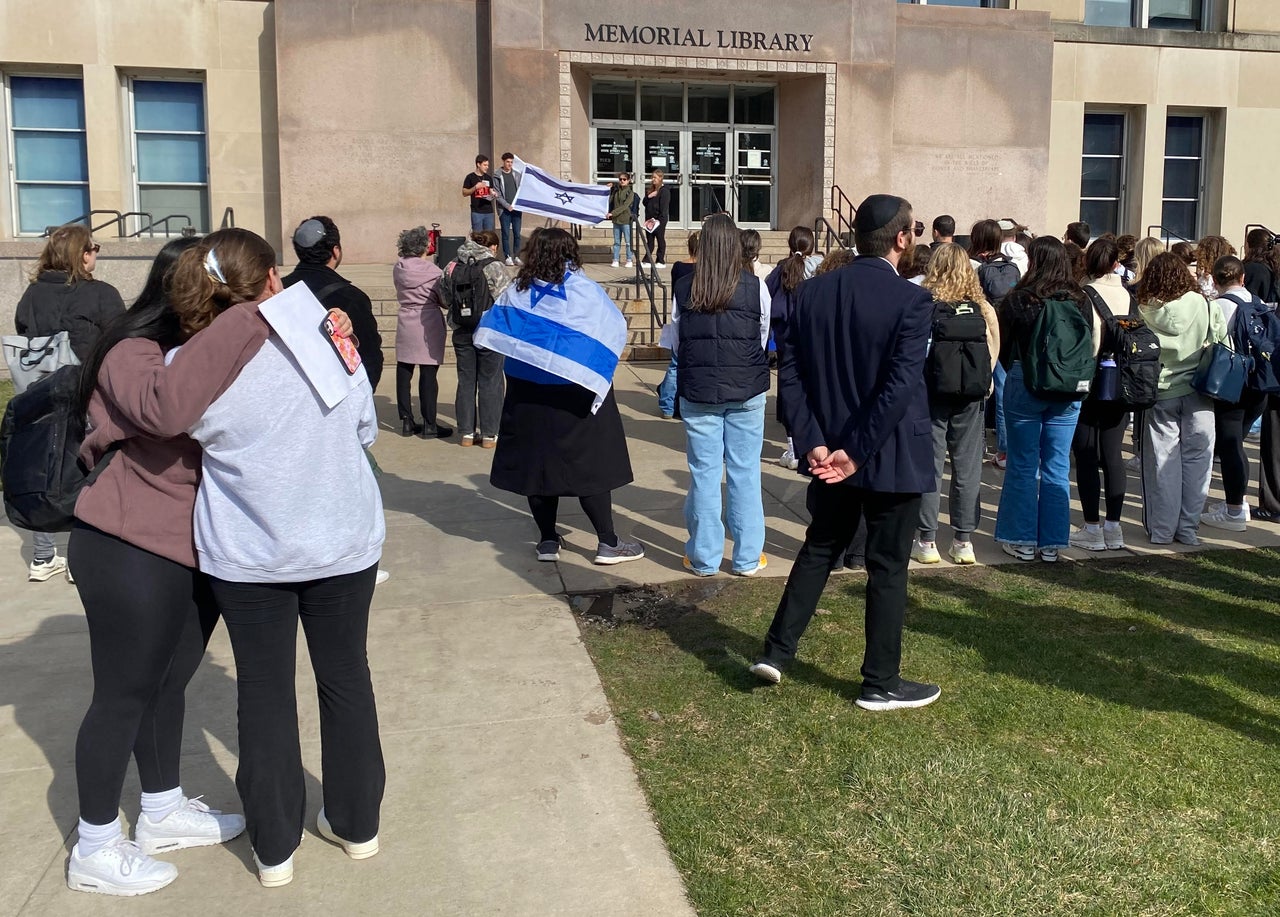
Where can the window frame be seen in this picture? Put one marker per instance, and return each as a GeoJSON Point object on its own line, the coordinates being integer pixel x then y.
{"type": "Point", "coordinates": [11, 150]}
{"type": "Point", "coordinates": [982, 4]}
{"type": "Point", "coordinates": [1202, 189]}
{"type": "Point", "coordinates": [1140, 16]}
{"type": "Point", "coordinates": [1126, 134]}
{"type": "Point", "coordinates": [136, 184]}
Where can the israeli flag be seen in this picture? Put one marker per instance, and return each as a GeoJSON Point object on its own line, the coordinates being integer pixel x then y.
{"type": "Point", "coordinates": [570, 329]}
{"type": "Point", "coordinates": [545, 196]}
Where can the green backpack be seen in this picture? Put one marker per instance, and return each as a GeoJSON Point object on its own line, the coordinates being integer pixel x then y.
{"type": "Point", "coordinates": [1059, 365]}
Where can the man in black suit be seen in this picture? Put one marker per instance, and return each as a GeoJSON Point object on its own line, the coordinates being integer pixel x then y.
{"type": "Point", "coordinates": [853, 394]}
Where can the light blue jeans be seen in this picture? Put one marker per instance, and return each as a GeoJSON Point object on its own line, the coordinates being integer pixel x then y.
{"type": "Point", "coordinates": [724, 438]}
{"type": "Point", "coordinates": [667, 389]}
{"type": "Point", "coordinates": [998, 377]}
{"type": "Point", "coordinates": [621, 234]}
{"type": "Point", "coordinates": [1036, 513]}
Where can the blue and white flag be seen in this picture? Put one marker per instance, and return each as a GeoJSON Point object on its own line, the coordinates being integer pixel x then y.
{"type": "Point", "coordinates": [570, 329]}
{"type": "Point", "coordinates": [545, 196]}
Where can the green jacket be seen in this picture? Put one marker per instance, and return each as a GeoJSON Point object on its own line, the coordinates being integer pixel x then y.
{"type": "Point", "coordinates": [1184, 326]}
{"type": "Point", "coordinates": [620, 199]}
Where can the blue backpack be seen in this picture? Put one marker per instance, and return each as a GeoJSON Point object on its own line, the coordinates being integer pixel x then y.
{"type": "Point", "coordinates": [1255, 333]}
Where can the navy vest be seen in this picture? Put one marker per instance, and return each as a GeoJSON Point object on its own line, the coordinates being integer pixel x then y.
{"type": "Point", "coordinates": [720, 358]}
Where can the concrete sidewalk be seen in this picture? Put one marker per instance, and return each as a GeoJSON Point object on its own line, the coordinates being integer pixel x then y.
{"type": "Point", "coordinates": [508, 791]}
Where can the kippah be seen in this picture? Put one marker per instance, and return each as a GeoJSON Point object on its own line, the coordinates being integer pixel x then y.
{"type": "Point", "coordinates": [876, 212]}
{"type": "Point", "coordinates": [309, 233]}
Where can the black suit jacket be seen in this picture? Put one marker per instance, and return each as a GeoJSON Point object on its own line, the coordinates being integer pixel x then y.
{"type": "Point", "coordinates": [352, 300]}
{"type": "Point", "coordinates": [852, 374]}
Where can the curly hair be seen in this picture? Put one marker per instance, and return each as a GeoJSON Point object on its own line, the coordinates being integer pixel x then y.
{"type": "Point", "coordinates": [411, 243]}
{"type": "Point", "coordinates": [1208, 251]}
{"type": "Point", "coordinates": [951, 277]}
{"type": "Point", "coordinates": [836, 258]}
{"type": "Point", "coordinates": [1165, 279]}
{"type": "Point", "coordinates": [65, 252]}
{"type": "Point", "coordinates": [196, 293]}
{"type": "Point", "coordinates": [548, 254]}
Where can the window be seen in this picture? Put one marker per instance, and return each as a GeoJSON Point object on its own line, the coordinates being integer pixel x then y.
{"type": "Point", "coordinates": [49, 154]}
{"type": "Point", "coordinates": [170, 155]}
{"type": "Point", "coordinates": [989, 4]}
{"type": "Point", "coordinates": [1185, 15]}
{"type": "Point", "coordinates": [1102, 172]}
{"type": "Point", "coordinates": [1184, 144]}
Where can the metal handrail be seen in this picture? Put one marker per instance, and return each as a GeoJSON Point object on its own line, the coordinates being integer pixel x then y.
{"type": "Point", "coordinates": [1168, 234]}
{"type": "Point", "coordinates": [228, 218]}
{"type": "Point", "coordinates": [839, 201]}
{"type": "Point", "coordinates": [1252, 226]}
{"type": "Point", "coordinates": [826, 233]}
{"type": "Point", "coordinates": [87, 218]}
{"type": "Point", "coordinates": [150, 228]}
{"type": "Point", "coordinates": [650, 280]}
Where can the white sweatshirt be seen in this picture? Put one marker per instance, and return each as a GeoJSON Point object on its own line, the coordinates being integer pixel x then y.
{"type": "Point", "coordinates": [287, 493]}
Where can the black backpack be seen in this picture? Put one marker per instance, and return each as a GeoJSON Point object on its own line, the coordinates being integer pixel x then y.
{"type": "Point", "coordinates": [998, 276]}
{"type": "Point", "coordinates": [1135, 349]}
{"type": "Point", "coordinates": [959, 363]}
{"type": "Point", "coordinates": [40, 467]}
{"type": "Point", "coordinates": [1255, 332]}
{"type": "Point", "coordinates": [465, 291]}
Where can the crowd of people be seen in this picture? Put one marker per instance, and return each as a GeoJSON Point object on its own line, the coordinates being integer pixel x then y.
{"type": "Point", "coordinates": [204, 433]}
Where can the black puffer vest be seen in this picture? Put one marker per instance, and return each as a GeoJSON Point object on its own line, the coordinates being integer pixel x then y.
{"type": "Point", "coordinates": [720, 357]}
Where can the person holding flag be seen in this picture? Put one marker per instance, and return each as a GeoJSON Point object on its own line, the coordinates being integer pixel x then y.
{"type": "Point", "coordinates": [561, 434]}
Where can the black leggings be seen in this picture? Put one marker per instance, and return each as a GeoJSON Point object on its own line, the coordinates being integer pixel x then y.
{"type": "Point", "coordinates": [598, 507]}
{"type": "Point", "coordinates": [1099, 441]}
{"type": "Point", "coordinates": [149, 622]}
{"type": "Point", "coordinates": [1231, 422]}
{"type": "Point", "coordinates": [428, 391]}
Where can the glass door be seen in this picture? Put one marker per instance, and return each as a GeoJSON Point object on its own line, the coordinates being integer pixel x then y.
{"type": "Point", "coordinates": [662, 150]}
{"type": "Point", "coordinates": [708, 174]}
{"type": "Point", "coordinates": [753, 179]}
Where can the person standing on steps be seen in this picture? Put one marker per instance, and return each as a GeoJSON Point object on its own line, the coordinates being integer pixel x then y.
{"type": "Point", "coordinates": [854, 397]}
{"type": "Point", "coordinates": [478, 185]}
{"type": "Point", "coordinates": [621, 198]}
{"type": "Point", "coordinates": [505, 188]}
{"type": "Point", "coordinates": [657, 212]}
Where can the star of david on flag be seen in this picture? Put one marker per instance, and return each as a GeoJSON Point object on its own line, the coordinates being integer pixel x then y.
{"type": "Point", "coordinates": [542, 195]}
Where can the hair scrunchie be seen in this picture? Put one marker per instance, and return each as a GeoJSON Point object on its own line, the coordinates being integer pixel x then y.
{"type": "Point", "coordinates": [212, 268]}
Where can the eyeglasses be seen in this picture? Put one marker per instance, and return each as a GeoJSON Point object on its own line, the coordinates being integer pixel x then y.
{"type": "Point", "coordinates": [92, 247]}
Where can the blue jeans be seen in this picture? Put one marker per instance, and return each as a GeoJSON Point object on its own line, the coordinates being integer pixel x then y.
{"type": "Point", "coordinates": [1036, 513]}
{"type": "Point", "coordinates": [667, 389]}
{"type": "Point", "coordinates": [621, 234]}
{"type": "Point", "coordinates": [481, 221]}
{"type": "Point", "coordinates": [724, 436]}
{"type": "Point", "coordinates": [998, 377]}
{"type": "Point", "coordinates": [509, 220]}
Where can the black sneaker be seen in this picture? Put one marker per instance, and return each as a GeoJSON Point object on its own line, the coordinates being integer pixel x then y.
{"type": "Point", "coordinates": [908, 694]}
{"type": "Point", "coordinates": [549, 550]}
{"type": "Point", "coordinates": [1261, 515]}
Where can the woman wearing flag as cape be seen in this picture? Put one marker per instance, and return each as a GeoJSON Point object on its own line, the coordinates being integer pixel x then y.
{"type": "Point", "coordinates": [560, 433]}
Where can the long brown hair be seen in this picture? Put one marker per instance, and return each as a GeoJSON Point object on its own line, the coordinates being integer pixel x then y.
{"type": "Point", "coordinates": [196, 291]}
{"type": "Point", "coordinates": [1165, 279]}
{"type": "Point", "coordinates": [65, 252]}
{"type": "Point", "coordinates": [801, 244]}
{"type": "Point", "coordinates": [719, 265]}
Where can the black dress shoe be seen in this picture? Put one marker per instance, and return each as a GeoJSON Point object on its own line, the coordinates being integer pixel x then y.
{"type": "Point", "coordinates": [908, 694]}
{"type": "Point", "coordinates": [436, 431]}
{"type": "Point", "coordinates": [410, 428]}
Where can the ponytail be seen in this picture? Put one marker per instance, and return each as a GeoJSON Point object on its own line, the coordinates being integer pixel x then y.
{"type": "Point", "coordinates": [801, 243]}
{"type": "Point", "coordinates": [227, 267]}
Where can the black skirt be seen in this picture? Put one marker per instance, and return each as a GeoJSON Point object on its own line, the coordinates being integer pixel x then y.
{"type": "Point", "coordinates": [551, 445]}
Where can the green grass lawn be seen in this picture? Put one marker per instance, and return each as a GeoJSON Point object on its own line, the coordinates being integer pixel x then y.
{"type": "Point", "coordinates": [6, 392]}
{"type": "Point", "coordinates": [1105, 744]}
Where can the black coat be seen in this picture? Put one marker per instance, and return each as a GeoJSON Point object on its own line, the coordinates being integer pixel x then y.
{"type": "Point", "coordinates": [82, 309]}
{"type": "Point", "coordinates": [352, 300]}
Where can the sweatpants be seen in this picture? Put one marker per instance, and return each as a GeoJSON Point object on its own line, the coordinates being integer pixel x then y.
{"type": "Point", "coordinates": [262, 620]}
{"type": "Point", "coordinates": [957, 429]}
{"type": "Point", "coordinates": [149, 621]}
{"type": "Point", "coordinates": [1177, 462]}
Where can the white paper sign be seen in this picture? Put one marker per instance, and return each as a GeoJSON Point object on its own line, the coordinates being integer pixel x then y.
{"type": "Point", "coordinates": [295, 316]}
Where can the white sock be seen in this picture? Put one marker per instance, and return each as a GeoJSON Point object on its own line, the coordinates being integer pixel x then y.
{"type": "Point", "coordinates": [1092, 527]}
{"type": "Point", "coordinates": [1111, 526]}
{"type": "Point", "coordinates": [158, 806]}
{"type": "Point", "coordinates": [791, 447]}
{"type": "Point", "coordinates": [94, 837]}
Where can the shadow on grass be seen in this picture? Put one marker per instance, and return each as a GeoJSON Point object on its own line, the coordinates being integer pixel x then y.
{"type": "Point", "coordinates": [1113, 654]}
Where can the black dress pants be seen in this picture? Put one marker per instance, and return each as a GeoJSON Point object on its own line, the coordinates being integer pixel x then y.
{"type": "Point", "coordinates": [262, 620]}
{"type": "Point", "coordinates": [428, 391]}
{"type": "Point", "coordinates": [149, 621]}
{"type": "Point", "coordinates": [891, 524]}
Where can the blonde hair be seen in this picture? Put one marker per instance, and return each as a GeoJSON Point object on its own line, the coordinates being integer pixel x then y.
{"type": "Point", "coordinates": [1143, 252]}
{"type": "Point", "coordinates": [65, 252]}
{"type": "Point", "coordinates": [196, 292]}
{"type": "Point", "coordinates": [951, 278]}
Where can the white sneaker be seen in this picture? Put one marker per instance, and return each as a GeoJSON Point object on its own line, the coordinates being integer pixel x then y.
{"type": "Point", "coordinates": [361, 851]}
{"type": "Point", "coordinates": [925, 552]}
{"type": "Point", "coordinates": [1113, 536]}
{"type": "Point", "coordinates": [631, 264]}
{"type": "Point", "coordinates": [192, 824]}
{"type": "Point", "coordinates": [381, 578]}
{"type": "Point", "coordinates": [961, 552]}
{"type": "Point", "coordinates": [274, 876]}
{"type": "Point", "coordinates": [38, 573]}
{"type": "Point", "coordinates": [788, 460]}
{"type": "Point", "coordinates": [613, 263]}
{"type": "Point", "coordinates": [120, 869]}
{"type": "Point", "coordinates": [766, 671]}
{"type": "Point", "coordinates": [510, 263]}
{"type": "Point", "coordinates": [1022, 552]}
{"type": "Point", "coordinates": [1219, 518]}
{"type": "Point", "coordinates": [660, 266]}
{"type": "Point", "coordinates": [1089, 540]}
{"type": "Point", "coordinates": [1049, 555]}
